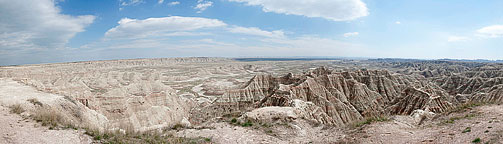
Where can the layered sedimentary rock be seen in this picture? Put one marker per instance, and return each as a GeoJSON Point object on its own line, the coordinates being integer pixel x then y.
{"type": "Point", "coordinates": [492, 95]}
{"type": "Point", "coordinates": [480, 84]}
{"type": "Point", "coordinates": [339, 98]}
{"type": "Point", "coordinates": [130, 94]}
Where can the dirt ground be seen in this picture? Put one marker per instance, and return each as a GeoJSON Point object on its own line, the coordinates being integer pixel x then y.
{"type": "Point", "coordinates": [17, 130]}
{"type": "Point", "coordinates": [484, 123]}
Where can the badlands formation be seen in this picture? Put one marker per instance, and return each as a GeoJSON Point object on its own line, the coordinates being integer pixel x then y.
{"type": "Point", "coordinates": [253, 101]}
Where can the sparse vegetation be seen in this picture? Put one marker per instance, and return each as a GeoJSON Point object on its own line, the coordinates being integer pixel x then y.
{"type": "Point", "coordinates": [154, 137]}
{"type": "Point", "coordinates": [35, 101]}
{"type": "Point", "coordinates": [17, 109]}
{"type": "Point", "coordinates": [48, 117]}
{"type": "Point", "coordinates": [371, 120]}
{"type": "Point", "coordinates": [476, 140]}
{"type": "Point", "coordinates": [455, 118]}
{"type": "Point", "coordinates": [467, 129]}
{"type": "Point", "coordinates": [177, 126]}
{"type": "Point", "coordinates": [268, 131]}
{"type": "Point", "coordinates": [247, 124]}
{"type": "Point", "coordinates": [464, 107]}
{"type": "Point", "coordinates": [207, 139]}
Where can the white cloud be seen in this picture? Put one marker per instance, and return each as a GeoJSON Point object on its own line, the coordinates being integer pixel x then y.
{"type": "Point", "coordinates": [203, 5]}
{"type": "Point", "coordinates": [174, 3]}
{"type": "Point", "coordinates": [133, 28]}
{"type": "Point", "coordinates": [131, 2]}
{"type": "Point", "coordinates": [336, 10]}
{"type": "Point", "coordinates": [184, 36]}
{"type": "Point", "coordinates": [398, 22]}
{"type": "Point", "coordinates": [491, 31]}
{"type": "Point", "coordinates": [350, 34]}
{"type": "Point", "coordinates": [257, 32]}
{"type": "Point", "coordinates": [160, 1]}
{"type": "Point", "coordinates": [457, 38]}
{"type": "Point", "coordinates": [37, 25]}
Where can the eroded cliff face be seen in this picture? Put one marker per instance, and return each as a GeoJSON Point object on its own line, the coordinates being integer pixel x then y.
{"type": "Point", "coordinates": [339, 98]}
{"type": "Point", "coordinates": [125, 94]}
{"type": "Point", "coordinates": [148, 94]}
{"type": "Point", "coordinates": [482, 84]}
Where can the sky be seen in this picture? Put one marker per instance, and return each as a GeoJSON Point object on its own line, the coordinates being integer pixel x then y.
{"type": "Point", "coordinates": [48, 31]}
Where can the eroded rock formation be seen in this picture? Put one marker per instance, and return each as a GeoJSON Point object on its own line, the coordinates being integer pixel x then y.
{"type": "Point", "coordinates": [339, 98]}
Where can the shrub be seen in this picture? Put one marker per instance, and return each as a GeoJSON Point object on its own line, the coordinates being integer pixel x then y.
{"type": "Point", "coordinates": [48, 117]}
{"type": "Point", "coordinates": [178, 126]}
{"type": "Point", "coordinates": [17, 109]}
{"type": "Point", "coordinates": [234, 120]}
{"type": "Point", "coordinates": [476, 140]}
{"type": "Point", "coordinates": [467, 129]}
{"type": "Point", "coordinates": [207, 139]}
{"type": "Point", "coordinates": [247, 124]}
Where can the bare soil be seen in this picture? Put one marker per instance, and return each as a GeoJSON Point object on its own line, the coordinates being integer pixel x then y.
{"type": "Point", "coordinates": [15, 129]}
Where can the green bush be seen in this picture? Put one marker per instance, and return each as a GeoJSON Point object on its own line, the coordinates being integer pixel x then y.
{"type": "Point", "coordinates": [476, 140]}
{"type": "Point", "coordinates": [467, 129]}
{"type": "Point", "coordinates": [247, 124]}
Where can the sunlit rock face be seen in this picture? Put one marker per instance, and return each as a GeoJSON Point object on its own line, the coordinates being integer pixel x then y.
{"type": "Point", "coordinates": [339, 98]}
{"type": "Point", "coordinates": [125, 94]}
{"type": "Point", "coordinates": [146, 94]}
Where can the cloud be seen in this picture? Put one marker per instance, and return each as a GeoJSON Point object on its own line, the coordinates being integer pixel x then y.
{"type": "Point", "coordinates": [132, 2]}
{"type": "Point", "coordinates": [174, 3]}
{"type": "Point", "coordinates": [195, 36]}
{"type": "Point", "coordinates": [133, 28]}
{"type": "Point", "coordinates": [203, 5]}
{"type": "Point", "coordinates": [350, 34]}
{"type": "Point", "coordinates": [398, 22]}
{"type": "Point", "coordinates": [257, 32]}
{"type": "Point", "coordinates": [37, 25]}
{"type": "Point", "coordinates": [160, 1]}
{"type": "Point", "coordinates": [457, 38]}
{"type": "Point", "coordinates": [490, 31]}
{"type": "Point", "coordinates": [336, 10]}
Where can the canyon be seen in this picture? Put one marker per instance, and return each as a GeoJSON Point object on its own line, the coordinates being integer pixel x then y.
{"type": "Point", "coordinates": [266, 100]}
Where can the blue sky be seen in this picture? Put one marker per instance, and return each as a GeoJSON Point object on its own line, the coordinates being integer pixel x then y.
{"type": "Point", "coordinates": [44, 31]}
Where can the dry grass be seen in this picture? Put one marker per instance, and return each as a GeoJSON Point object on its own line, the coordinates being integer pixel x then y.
{"type": "Point", "coordinates": [152, 137]}
{"type": "Point", "coordinates": [48, 117]}
{"type": "Point", "coordinates": [17, 109]}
